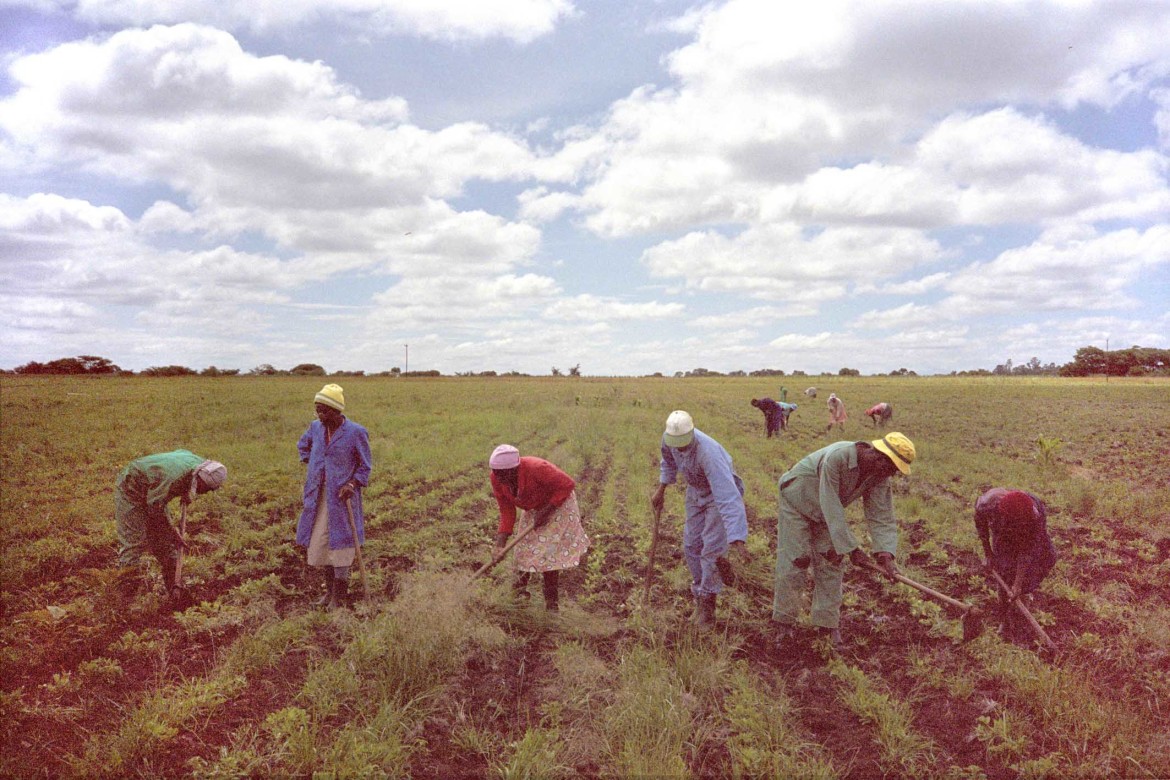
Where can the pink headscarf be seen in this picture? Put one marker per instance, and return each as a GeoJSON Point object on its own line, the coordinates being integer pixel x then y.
{"type": "Point", "coordinates": [504, 457]}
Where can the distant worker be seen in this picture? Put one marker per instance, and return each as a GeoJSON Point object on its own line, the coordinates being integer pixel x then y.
{"type": "Point", "coordinates": [783, 394]}
{"type": "Point", "coordinates": [786, 412]}
{"type": "Point", "coordinates": [716, 515]}
{"type": "Point", "coordinates": [549, 499]}
{"type": "Point", "coordinates": [812, 531]}
{"type": "Point", "coordinates": [773, 415]}
{"type": "Point", "coordinates": [836, 413]}
{"type": "Point", "coordinates": [142, 492]}
{"type": "Point", "coordinates": [1013, 527]}
{"type": "Point", "coordinates": [337, 453]}
{"type": "Point", "coordinates": [811, 392]}
{"type": "Point", "coordinates": [880, 413]}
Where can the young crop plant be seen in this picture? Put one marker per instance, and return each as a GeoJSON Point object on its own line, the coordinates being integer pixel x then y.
{"type": "Point", "coordinates": [903, 751]}
{"type": "Point", "coordinates": [534, 757]}
{"type": "Point", "coordinates": [651, 721]}
{"type": "Point", "coordinates": [1048, 445]}
{"type": "Point", "coordinates": [766, 739]}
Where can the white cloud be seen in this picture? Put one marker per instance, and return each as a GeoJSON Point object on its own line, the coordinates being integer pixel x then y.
{"type": "Point", "coordinates": [800, 342]}
{"type": "Point", "coordinates": [186, 106]}
{"type": "Point", "coordinates": [753, 318]}
{"type": "Point", "coordinates": [915, 286]}
{"type": "Point", "coordinates": [905, 316]}
{"type": "Point", "coordinates": [460, 302]}
{"type": "Point", "coordinates": [87, 258]}
{"type": "Point", "coordinates": [779, 262]}
{"type": "Point", "coordinates": [1069, 268]}
{"type": "Point", "coordinates": [271, 146]}
{"type": "Point", "coordinates": [1082, 271]}
{"type": "Point", "coordinates": [1054, 340]}
{"type": "Point", "coordinates": [446, 20]}
{"type": "Point", "coordinates": [592, 308]}
{"type": "Point", "coordinates": [771, 96]}
{"type": "Point", "coordinates": [1161, 98]}
{"type": "Point", "coordinates": [1004, 167]}
{"type": "Point", "coordinates": [51, 315]}
{"type": "Point", "coordinates": [541, 205]}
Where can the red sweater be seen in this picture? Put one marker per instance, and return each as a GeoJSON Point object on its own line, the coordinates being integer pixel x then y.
{"type": "Point", "coordinates": [538, 484]}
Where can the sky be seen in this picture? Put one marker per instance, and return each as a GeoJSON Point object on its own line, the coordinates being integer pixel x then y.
{"type": "Point", "coordinates": [625, 186]}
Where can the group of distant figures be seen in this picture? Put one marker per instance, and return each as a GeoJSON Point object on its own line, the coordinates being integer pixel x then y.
{"type": "Point", "coordinates": [776, 413]}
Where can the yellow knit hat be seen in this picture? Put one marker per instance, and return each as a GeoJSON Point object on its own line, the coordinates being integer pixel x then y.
{"type": "Point", "coordinates": [331, 395]}
{"type": "Point", "coordinates": [899, 449]}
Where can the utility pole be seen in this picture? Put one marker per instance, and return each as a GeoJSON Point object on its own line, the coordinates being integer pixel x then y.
{"type": "Point", "coordinates": [406, 362]}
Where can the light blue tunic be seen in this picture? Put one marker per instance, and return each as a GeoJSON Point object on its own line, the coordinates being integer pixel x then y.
{"type": "Point", "coordinates": [716, 515]}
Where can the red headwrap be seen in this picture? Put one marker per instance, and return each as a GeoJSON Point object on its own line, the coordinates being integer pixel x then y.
{"type": "Point", "coordinates": [1018, 507]}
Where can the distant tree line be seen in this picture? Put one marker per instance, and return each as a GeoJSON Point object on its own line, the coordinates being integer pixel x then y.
{"type": "Point", "coordinates": [1134, 361]}
{"type": "Point", "coordinates": [99, 366]}
{"type": "Point", "coordinates": [1032, 368]}
{"type": "Point", "coordinates": [82, 364]}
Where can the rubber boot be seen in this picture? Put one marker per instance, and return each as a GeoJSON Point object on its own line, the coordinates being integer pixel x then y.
{"type": "Point", "coordinates": [328, 597]}
{"type": "Point", "coordinates": [551, 595]}
{"type": "Point", "coordinates": [520, 587]}
{"type": "Point", "coordinates": [706, 611]}
{"type": "Point", "coordinates": [340, 596]}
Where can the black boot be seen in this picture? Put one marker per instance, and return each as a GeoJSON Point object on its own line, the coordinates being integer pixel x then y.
{"type": "Point", "coordinates": [340, 596]}
{"type": "Point", "coordinates": [328, 597]}
{"type": "Point", "coordinates": [551, 595]}
{"type": "Point", "coordinates": [706, 611]}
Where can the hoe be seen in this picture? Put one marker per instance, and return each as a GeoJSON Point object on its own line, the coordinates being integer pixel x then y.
{"type": "Point", "coordinates": [1037, 629]}
{"type": "Point", "coordinates": [503, 554]}
{"type": "Point", "coordinates": [178, 594]}
{"type": "Point", "coordinates": [357, 549]}
{"type": "Point", "coordinates": [650, 561]}
{"type": "Point", "coordinates": [972, 617]}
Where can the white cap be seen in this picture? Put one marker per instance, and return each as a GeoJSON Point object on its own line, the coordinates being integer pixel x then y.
{"type": "Point", "coordinates": [680, 429]}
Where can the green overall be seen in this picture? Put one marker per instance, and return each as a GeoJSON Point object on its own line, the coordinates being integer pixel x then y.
{"type": "Point", "coordinates": [812, 530]}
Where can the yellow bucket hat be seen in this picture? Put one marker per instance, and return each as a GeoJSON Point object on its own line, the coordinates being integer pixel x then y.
{"type": "Point", "coordinates": [331, 395]}
{"type": "Point", "coordinates": [898, 448]}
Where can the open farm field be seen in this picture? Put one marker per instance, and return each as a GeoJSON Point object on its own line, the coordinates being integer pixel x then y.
{"type": "Point", "coordinates": [436, 677]}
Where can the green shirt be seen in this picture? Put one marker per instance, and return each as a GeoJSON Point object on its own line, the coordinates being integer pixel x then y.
{"type": "Point", "coordinates": [821, 485]}
{"type": "Point", "coordinates": [153, 480]}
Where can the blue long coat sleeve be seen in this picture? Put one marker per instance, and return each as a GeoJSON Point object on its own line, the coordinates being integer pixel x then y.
{"type": "Point", "coordinates": [345, 458]}
{"type": "Point", "coordinates": [710, 476]}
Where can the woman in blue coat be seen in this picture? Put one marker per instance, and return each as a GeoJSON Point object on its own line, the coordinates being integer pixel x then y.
{"type": "Point", "coordinates": [337, 452]}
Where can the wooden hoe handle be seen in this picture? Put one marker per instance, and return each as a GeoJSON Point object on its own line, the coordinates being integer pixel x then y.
{"type": "Point", "coordinates": [357, 549]}
{"type": "Point", "coordinates": [934, 594]}
{"type": "Point", "coordinates": [653, 551]}
{"type": "Point", "coordinates": [503, 554]}
{"type": "Point", "coordinates": [1037, 629]}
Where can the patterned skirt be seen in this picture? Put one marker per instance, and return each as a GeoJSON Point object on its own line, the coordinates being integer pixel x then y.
{"type": "Point", "coordinates": [558, 545]}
